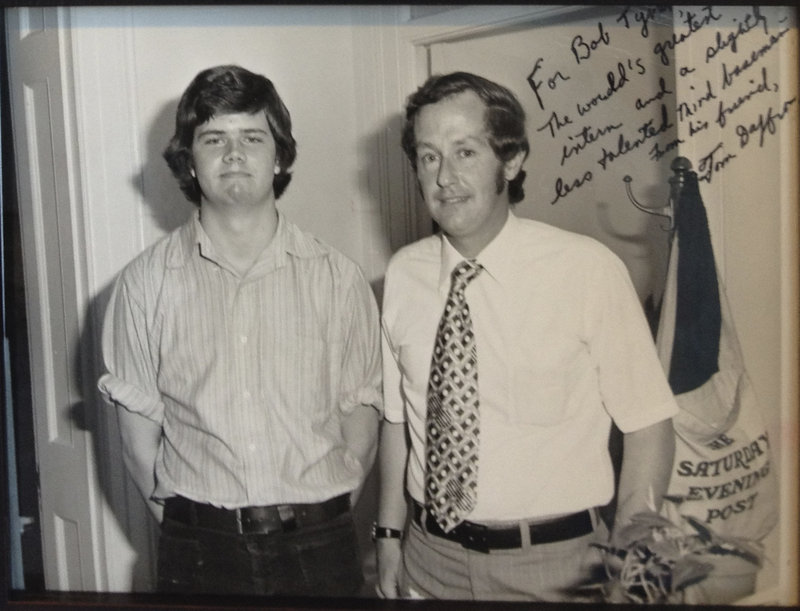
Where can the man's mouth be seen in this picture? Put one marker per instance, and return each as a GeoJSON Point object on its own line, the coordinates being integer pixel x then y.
{"type": "Point", "coordinates": [453, 199]}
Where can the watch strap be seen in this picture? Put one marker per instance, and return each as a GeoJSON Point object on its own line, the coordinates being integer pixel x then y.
{"type": "Point", "coordinates": [382, 532]}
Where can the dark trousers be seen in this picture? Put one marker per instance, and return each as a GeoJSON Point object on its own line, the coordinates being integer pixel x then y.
{"type": "Point", "coordinates": [320, 560]}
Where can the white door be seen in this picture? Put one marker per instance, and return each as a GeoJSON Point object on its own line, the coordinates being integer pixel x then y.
{"type": "Point", "coordinates": [54, 279]}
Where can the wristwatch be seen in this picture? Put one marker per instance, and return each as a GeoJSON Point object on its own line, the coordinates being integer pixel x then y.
{"type": "Point", "coordinates": [381, 532]}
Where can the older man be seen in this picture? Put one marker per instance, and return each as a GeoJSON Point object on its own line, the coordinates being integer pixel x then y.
{"type": "Point", "coordinates": [510, 347]}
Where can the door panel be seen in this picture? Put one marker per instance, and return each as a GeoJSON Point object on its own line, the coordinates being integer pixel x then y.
{"type": "Point", "coordinates": [54, 277]}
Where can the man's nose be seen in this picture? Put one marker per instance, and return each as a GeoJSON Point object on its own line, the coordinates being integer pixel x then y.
{"type": "Point", "coordinates": [446, 173]}
{"type": "Point", "coordinates": [234, 152]}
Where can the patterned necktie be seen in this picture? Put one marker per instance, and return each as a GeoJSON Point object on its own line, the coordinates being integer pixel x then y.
{"type": "Point", "coordinates": [453, 423]}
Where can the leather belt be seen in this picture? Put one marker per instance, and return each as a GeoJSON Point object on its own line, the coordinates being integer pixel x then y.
{"type": "Point", "coordinates": [483, 538]}
{"type": "Point", "coordinates": [263, 520]}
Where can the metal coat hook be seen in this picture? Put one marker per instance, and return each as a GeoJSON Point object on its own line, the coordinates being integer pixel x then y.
{"type": "Point", "coordinates": [680, 167]}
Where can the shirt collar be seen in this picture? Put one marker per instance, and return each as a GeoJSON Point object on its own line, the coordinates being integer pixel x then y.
{"type": "Point", "coordinates": [495, 257]}
{"type": "Point", "coordinates": [288, 241]}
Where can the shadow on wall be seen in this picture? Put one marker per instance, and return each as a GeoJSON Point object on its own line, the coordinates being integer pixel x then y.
{"type": "Point", "coordinates": [99, 419]}
{"type": "Point", "coordinates": [169, 209]}
{"type": "Point", "coordinates": [378, 153]}
{"type": "Point", "coordinates": [651, 239]}
{"type": "Point", "coordinates": [155, 183]}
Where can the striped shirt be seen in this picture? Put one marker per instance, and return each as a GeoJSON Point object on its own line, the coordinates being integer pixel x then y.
{"type": "Point", "coordinates": [250, 376]}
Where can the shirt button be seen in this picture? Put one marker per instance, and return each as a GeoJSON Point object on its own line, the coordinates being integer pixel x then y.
{"type": "Point", "coordinates": [243, 339]}
{"type": "Point", "coordinates": [252, 447]}
{"type": "Point", "coordinates": [246, 394]}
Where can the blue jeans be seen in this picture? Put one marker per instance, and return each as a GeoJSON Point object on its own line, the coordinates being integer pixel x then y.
{"type": "Point", "coordinates": [322, 560]}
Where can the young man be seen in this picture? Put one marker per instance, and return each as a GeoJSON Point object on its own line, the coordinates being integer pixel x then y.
{"type": "Point", "coordinates": [244, 358]}
{"type": "Point", "coordinates": [509, 348]}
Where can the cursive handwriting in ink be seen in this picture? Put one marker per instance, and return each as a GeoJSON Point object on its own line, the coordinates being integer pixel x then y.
{"type": "Point", "coordinates": [764, 124]}
{"type": "Point", "coordinates": [712, 163]}
{"type": "Point", "coordinates": [584, 138]}
{"type": "Point", "coordinates": [555, 123]}
{"type": "Point", "coordinates": [656, 153]}
{"type": "Point", "coordinates": [697, 127]}
{"type": "Point", "coordinates": [688, 109]}
{"type": "Point", "coordinates": [625, 146]}
{"type": "Point", "coordinates": [724, 110]}
{"type": "Point", "coordinates": [616, 81]}
{"type": "Point", "coordinates": [750, 21]}
{"type": "Point", "coordinates": [642, 16]}
{"type": "Point", "coordinates": [730, 74]}
{"type": "Point", "coordinates": [662, 91]}
{"type": "Point", "coordinates": [562, 189]}
{"type": "Point", "coordinates": [662, 48]}
{"type": "Point", "coordinates": [582, 50]}
{"type": "Point", "coordinates": [552, 81]}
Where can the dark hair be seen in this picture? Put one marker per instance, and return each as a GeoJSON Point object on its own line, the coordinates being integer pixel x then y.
{"type": "Point", "coordinates": [505, 118]}
{"type": "Point", "coordinates": [222, 90]}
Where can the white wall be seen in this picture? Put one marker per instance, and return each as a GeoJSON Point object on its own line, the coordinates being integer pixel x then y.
{"type": "Point", "coordinates": [308, 54]}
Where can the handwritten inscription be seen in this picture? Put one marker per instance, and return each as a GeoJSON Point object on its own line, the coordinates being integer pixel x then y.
{"type": "Point", "coordinates": [694, 23]}
{"type": "Point", "coordinates": [616, 78]}
{"type": "Point", "coordinates": [634, 108]}
{"type": "Point", "coordinates": [644, 16]}
{"type": "Point", "coordinates": [713, 162]}
{"type": "Point", "coordinates": [729, 40]}
{"type": "Point", "coordinates": [624, 146]}
{"type": "Point", "coordinates": [730, 73]}
{"type": "Point", "coordinates": [584, 138]}
{"type": "Point", "coordinates": [765, 124]}
{"type": "Point", "coordinates": [552, 81]}
{"type": "Point", "coordinates": [582, 49]}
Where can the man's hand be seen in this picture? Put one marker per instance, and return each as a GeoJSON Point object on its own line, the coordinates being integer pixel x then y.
{"type": "Point", "coordinates": [390, 556]}
{"type": "Point", "coordinates": [392, 457]}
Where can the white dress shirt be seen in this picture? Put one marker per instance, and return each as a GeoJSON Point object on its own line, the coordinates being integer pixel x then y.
{"type": "Point", "coordinates": [563, 348]}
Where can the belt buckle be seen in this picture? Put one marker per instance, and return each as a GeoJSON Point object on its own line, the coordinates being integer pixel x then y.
{"type": "Point", "coordinates": [288, 517]}
{"type": "Point", "coordinates": [259, 520]}
{"type": "Point", "coordinates": [474, 537]}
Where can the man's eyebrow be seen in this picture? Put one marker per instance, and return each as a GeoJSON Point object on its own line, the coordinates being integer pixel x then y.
{"type": "Point", "coordinates": [206, 131]}
{"type": "Point", "coordinates": [460, 142]}
{"type": "Point", "coordinates": [216, 132]}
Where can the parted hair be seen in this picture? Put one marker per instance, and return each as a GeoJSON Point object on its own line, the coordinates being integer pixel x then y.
{"type": "Point", "coordinates": [505, 118]}
{"type": "Point", "coordinates": [223, 90]}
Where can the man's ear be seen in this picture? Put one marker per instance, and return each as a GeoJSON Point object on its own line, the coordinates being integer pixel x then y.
{"type": "Point", "coordinates": [512, 167]}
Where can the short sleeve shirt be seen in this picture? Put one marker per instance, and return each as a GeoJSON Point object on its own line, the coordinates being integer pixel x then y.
{"type": "Point", "coordinates": [563, 350]}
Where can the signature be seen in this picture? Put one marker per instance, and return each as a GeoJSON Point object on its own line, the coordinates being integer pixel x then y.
{"type": "Point", "coordinates": [713, 162]}
{"type": "Point", "coordinates": [767, 123]}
